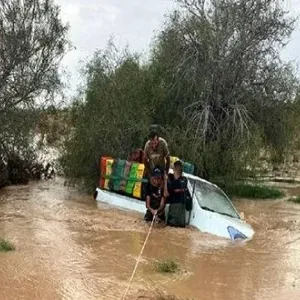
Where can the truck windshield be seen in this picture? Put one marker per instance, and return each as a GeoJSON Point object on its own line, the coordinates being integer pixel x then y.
{"type": "Point", "coordinates": [212, 198]}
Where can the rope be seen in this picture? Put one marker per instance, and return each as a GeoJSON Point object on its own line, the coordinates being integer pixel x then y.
{"type": "Point", "coordinates": [139, 257]}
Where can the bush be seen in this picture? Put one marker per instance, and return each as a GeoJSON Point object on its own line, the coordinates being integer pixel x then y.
{"type": "Point", "coordinates": [253, 191]}
{"type": "Point", "coordinates": [6, 246]}
{"type": "Point", "coordinates": [115, 117]}
{"type": "Point", "coordinates": [167, 266]}
{"type": "Point", "coordinates": [295, 200]}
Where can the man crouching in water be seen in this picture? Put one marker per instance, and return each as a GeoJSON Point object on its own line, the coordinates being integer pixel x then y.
{"type": "Point", "coordinates": [155, 200]}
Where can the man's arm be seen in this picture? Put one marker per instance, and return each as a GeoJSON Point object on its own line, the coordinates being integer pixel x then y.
{"type": "Point", "coordinates": [162, 204]}
{"type": "Point", "coordinates": [148, 200]}
{"type": "Point", "coordinates": [167, 156]}
{"type": "Point", "coordinates": [146, 157]}
{"type": "Point", "coordinates": [148, 203]}
{"type": "Point", "coordinates": [166, 187]}
{"type": "Point", "coordinates": [146, 162]}
{"type": "Point", "coordinates": [149, 207]}
{"type": "Point", "coordinates": [168, 162]}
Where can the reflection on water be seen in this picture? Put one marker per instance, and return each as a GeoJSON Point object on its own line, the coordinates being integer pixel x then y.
{"type": "Point", "coordinates": [70, 247]}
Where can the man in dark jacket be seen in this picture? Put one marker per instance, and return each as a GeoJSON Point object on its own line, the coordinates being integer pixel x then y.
{"type": "Point", "coordinates": [177, 193]}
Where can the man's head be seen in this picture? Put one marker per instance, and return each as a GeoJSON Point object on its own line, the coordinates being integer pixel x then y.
{"type": "Point", "coordinates": [154, 139]}
{"type": "Point", "coordinates": [157, 175]}
{"type": "Point", "coordinates": [178, 168]}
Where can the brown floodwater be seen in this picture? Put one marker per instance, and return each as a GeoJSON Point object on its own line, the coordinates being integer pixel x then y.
{"type": "Point", "coordinates": [70, 247]}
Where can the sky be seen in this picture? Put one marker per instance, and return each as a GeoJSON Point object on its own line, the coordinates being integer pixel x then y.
{"type": "Point", "coordinates": [132, 22]}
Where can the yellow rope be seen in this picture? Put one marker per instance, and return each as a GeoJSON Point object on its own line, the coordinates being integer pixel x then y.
{"type": "Point", "coordinates": [138, 260]}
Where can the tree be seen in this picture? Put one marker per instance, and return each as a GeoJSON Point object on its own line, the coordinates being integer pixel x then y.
{"type": "Point", "coordinates": [221, 64]}
{"type": "Point", "coordinates": [33, 40]}
{"type": "Point", "coordinates": [32, 44]}
{"type": "Point", "coordinates": [215, 82]}
{"type": "Point", "coordinates": [114, 116]}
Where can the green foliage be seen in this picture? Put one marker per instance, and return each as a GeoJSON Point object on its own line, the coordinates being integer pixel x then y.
{"type": "Point", "coordinates": [33, 40]}
{"type": "Point", "coordinates": [115, 115]}
{"type": "Point", "coordinates": [6, 246]}
{"type": "Point", "coordinates": [54, 124]}
{"type": "Point", "coordinates": [252, 191]}
{"type": "Point", "coordinates": [167, 266]}
{"type": "Point", "coordinates": [214, 81]}
{"type": "Point", "coordinates": [17, 133]}
{"type": "Point", "coordinates": [223, 76]}
{"type": "Point", "coordinates": [295, 200]}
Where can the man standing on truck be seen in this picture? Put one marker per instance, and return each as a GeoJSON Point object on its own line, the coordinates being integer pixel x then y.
{"type": "Point", "coordinates": [156, 153]}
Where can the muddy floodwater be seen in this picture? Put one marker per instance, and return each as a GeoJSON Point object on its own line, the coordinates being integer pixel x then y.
{"type": "Point", "coordinates": [70, 247]}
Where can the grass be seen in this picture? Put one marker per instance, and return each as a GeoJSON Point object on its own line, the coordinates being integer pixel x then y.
{"type": "Point", "coordinates": [167, 266]}
{"type": "Point", "coordinates": [252, 191]}
{"type": "Point", "coordinates": [295, 200]}
{"type": "Point", "coordinates": [6, 246]}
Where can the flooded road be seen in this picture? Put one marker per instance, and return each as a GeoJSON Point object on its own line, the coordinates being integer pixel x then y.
{"type": "Point", "coordinates": [70, 247]}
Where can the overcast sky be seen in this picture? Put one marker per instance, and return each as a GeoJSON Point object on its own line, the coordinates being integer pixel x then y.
{"type": "Point", "coordinates": [132, 22]}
